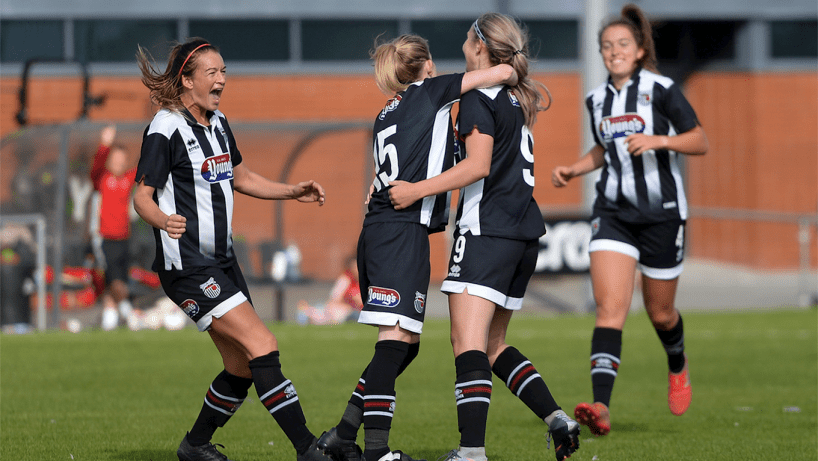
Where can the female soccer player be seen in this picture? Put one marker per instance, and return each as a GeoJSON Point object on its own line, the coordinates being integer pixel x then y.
{"type": "Point", "coordinates": [413, 140]}
{"type": "Point", "coordinates": [641, 123]}
{"type": "Point", "coordinates": [496, 241]}
{"type": "Point", "coordinates": [189, 167]}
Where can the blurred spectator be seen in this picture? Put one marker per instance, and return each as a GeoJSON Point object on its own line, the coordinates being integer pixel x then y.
{"type": "Point", "coordinates": [344, 303]}
{"type": "Point", "coordinates": [115, 182]}
{"type": "Point", "coordinates": [17, 262]}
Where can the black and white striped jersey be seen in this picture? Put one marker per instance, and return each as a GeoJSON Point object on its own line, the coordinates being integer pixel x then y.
{"type": "Point", "coordinates": [501, 204]}
{"type": "Point", "coordinates": [648, 187]}
{"type": "Point", "coordinates": [191, 168]}
{"type": "Point", "coordinates": [414, 140]}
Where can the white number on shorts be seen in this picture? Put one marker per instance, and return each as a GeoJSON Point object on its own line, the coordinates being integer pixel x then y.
{"type": "Point", "coordinates": [382, 152]}
{"type": "Point", "coordinates": [526, 142]}
{"type": "Point", "coordinates": [680, 237]}
{"type": "Point", "coordinates": [459, 249]}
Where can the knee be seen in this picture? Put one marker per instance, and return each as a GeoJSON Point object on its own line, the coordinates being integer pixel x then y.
{"type": "Point", "coordinates": [663, 317]}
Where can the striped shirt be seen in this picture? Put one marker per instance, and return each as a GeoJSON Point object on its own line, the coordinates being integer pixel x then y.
{"type": "Point", "coordinates": [501, 204]}
{"type": "Point", "coordinates": [413, 140]}
{"type": "Point", "coordinates": [648, 187]}
{"type": "Point", "coordinates": [191, 168]}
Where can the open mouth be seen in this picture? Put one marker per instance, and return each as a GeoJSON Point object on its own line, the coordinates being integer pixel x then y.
{"type": "Point", "coordinates": [217, 92]}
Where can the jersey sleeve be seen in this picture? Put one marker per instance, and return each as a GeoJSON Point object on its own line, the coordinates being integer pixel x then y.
{"type": "Point", "coordinates": [154, 160]}
{"type": "Point", "coordinates": [678, 110]}
{"type": "Point", "coordinates": [235, 155]}
{"type": "Point", "coordinates": [444, 89]}
{"type": "Point", "coordinates": [589, 104]}
{"type": "Point", "coordinates": [476, 111]}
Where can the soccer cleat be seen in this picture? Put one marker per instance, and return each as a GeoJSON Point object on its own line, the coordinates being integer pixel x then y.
{"type": "Point", "coordinates": [396, 455]}
{"type": "Point", "coordinates": [679, 392]}
{"type": "Point", "coordinates": [565, 433]}
{"type": "Point", "coordinates": [206, 452]}
{"type": "Point", "coordinates": [314, 453]}
{"type": "Point", "coordinates": [338, 448]}
{"type": "Point", "coordinates": [595, 416]}
{"type": "Point", "coordinates": [459, 455]}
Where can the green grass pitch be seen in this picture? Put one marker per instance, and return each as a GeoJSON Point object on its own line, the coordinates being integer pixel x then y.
{"type": "Point", "coordinates": [132, 395]}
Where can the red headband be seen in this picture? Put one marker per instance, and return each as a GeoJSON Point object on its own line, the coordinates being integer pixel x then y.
{"type": "Point", "coordinates": [189, 55]}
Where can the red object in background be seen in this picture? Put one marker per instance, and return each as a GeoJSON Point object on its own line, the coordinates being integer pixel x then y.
{"type": "Point", "coordinates": [144, 277]}
{"type": "Point", "coordinates": [83, 286]}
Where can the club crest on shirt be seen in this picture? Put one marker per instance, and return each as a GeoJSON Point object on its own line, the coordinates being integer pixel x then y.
{"type": "Point", "coordinates": [391, 105]}
{"type": "Point", "coordinates": [513, 98]}
{"type": "Point", "coordinates": [190, 307]}
{"type": "Point", "coordinates": [595, 226]}
{"type": "Point", "coordinates": [620, 126]}
{"type": "Point", "coordinates": [211, 289]}
{"type": "Point", "coordinates": [384, 297]}
{"type": "Point", "coordinates": [643, 99]}
{"type": "Point", "coordinates": [217, 168]}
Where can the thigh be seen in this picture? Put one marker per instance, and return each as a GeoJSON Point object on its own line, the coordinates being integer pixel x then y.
{"type": "Point", "coordinates": [470, 321]}
{"type": "Point", "coordinates": [394, 271]}
{"type": "Point", "coordinates": [612, 277]}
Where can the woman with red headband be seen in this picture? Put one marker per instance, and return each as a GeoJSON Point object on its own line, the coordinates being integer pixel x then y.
{"type": "Point", "coordinates": [189, 168]}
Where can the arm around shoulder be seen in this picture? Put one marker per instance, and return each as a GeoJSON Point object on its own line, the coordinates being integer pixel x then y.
{"type": "Point", "coordinates": [484, 78]}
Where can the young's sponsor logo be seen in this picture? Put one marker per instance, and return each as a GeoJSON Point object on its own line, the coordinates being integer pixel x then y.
{"type": "Point", "coordinates": [190, 307]}
{"type": "Point", "coordinates": [621, 126]}
{"type": "Point", "coordinates": [384, 297]}
{"type": "Point", "coordinates": [217, 168]}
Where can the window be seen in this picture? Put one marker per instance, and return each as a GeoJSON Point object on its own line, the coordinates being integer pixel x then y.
{"type": "Point", "coordinates": [445, 37]}
{"type": "Point", "coordinates": [246, 40]}
{"type": "Point", "coordinates": [343, 40]}
{"type": "Point", "coordinates": [21, 40]}
{"type": "Point", "coordinates": [553, 39]}
{"type": "Point", "coordinates": [794, 39]}
{"type": "Point", "coordinates": [695, 40]}
{"type": "Point", "coordinates": [116, 40]}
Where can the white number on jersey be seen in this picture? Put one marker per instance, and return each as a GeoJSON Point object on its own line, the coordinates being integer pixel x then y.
{"type": "Point", "coordinates": [526, 141]}
{"type": "Point", "coordinates": [383, 151]}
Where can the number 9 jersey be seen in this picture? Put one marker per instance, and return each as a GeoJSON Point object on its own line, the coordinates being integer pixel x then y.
{"type": "Point", "coordinates": [414, 140]}
{"type": "Point", "coordinates": [501, 204]}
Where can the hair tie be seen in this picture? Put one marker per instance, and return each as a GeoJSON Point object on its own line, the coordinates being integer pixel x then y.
{"type": "Point", "coordinates": [189, 55]}
{"type": "Point", "coordinates": [518, 52]}
{"type": "Point", "coordinates": [477, 30]}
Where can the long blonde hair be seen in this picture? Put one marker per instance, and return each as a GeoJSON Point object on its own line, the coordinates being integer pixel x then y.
{"type": "Point", "coordinates": [398, 62]}
{"type": "Point", "coordinates": [635, 19]}
{"type": "Point", "coordinates": [507, 43]}
{"type": "Point", "coordinates": [166, 87]}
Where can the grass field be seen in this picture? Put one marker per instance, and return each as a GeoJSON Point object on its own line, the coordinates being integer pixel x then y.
{"type": "Point", "coordinates": [132, 395]}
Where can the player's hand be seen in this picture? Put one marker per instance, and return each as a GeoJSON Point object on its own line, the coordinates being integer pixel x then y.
{"type": "Point", "coordinates": [107, 135]}
{"type": "Point", "coordinates": [402, 194]}
{"type": "Point", "coordinates": [369, 195]}
{"type": "Point", "coordinates": [638, 143]}
{"type": "Point", "coordinates": [175, 226]}
{"type": "Point", "coordinates": [309, 191]}
{"type": "Point", "coordinates": [560, 176]}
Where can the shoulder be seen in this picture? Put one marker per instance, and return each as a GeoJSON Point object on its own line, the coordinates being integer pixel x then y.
{"type": "Point", "coordinates": [655, 79]}
{"type": "Point", "coordinates": [165, 122]}
{"type": "Point", "coordinates": [491, 92]}
{"type": "Point", "coordinates": [597, 92]}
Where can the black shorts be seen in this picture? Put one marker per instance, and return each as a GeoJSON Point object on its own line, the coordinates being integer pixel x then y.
{"type": "Point", "coordinates": [117, 260]}
{"type": "Point", "coordinates": [205, 292]}
{"type": "Point", "coordinates": [394, 270]}
{"type": "Point", "coordinates": [493, 268]}
{"type": "Point", "coordinates": [658, 247]}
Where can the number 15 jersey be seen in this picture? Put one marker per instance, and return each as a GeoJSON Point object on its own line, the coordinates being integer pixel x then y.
{"type": "Point", "coordinates": [501, 204]}
{"type": "Point", "coordinates": [414, 140]}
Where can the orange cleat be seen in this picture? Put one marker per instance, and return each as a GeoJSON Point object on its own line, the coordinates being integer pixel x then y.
{"type": "Point", "coordinates": [596, 417]}
{"type": "Point", "coordinates": [679, 392]}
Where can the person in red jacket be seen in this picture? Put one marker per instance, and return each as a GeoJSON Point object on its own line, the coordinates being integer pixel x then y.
{"type": "Point", "coordinates": [114, 182]}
